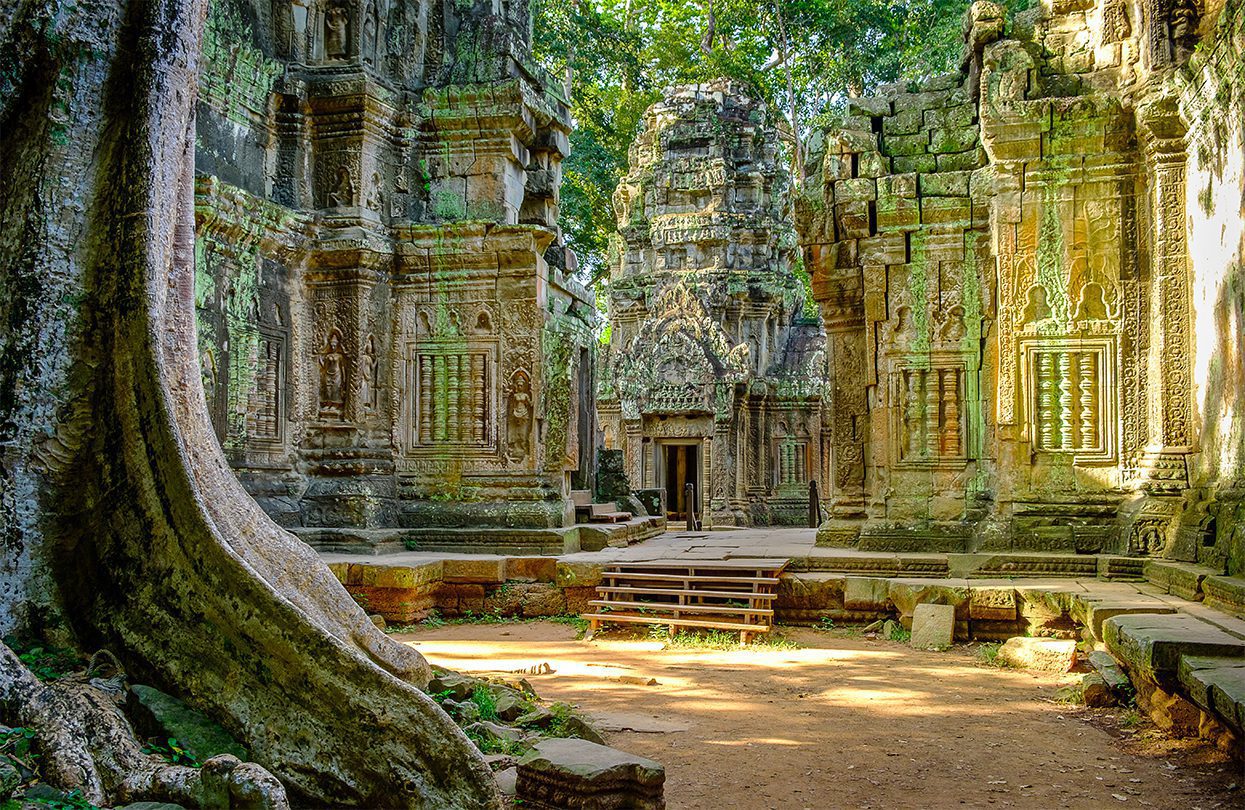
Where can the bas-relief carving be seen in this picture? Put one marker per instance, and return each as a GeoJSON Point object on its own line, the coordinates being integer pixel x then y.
{"type": "Point", "coordinates": [406, 358]}
{"type": "Point", "coordinates": [1038, 380]}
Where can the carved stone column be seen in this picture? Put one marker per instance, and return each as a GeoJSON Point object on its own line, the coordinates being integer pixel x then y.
{"type": "Point", "coordinates": [1162, 468]}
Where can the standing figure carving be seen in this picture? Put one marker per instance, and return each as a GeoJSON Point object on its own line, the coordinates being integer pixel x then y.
{"type": "Point", "coordinates": [336, 30]}
{"type": "Point", "coordinates": [369, 33]}
{"type": "Point", "coordinates": [368, 368]}
{"type": "Point", "coordinates": [343, 189]}
{"type": "Point", "coordinates": [519, 408]}
{"type": "Point", "coordinates": [332, 376]}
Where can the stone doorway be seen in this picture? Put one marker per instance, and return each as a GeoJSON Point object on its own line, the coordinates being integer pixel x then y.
{"type": "Point", "coordinates": [681, 463]}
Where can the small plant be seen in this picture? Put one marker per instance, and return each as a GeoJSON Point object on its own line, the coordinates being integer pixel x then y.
{"type": "Point", "coordinates": [433, 619]}
{"type": "Point", "coordinates": [1131, 718]}
{"type": "Point", "coordinates": [46, 663]}
{"type": "Point", "coordinates": [901, 634]}
{"type": "Point", "coordinates": [171, 751]}
{"type": "Point", "coordinates": [18, 745]}
{"type": "Point", "coordinates": [825, 623]}
{"type": "Point", "coordinates": [988, 654]}
{"type": "Point", "coordinates": [485, 701]}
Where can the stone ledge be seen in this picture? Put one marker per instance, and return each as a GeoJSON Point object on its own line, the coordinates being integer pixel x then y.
{"type": "Point", "coordinates": [1216, 685]}
{"type": "Point", "coordinates": [1151, 645]}
{"type": "Point", "coordinates": [1225, 593]}
{"type": "Point", "coordinates": [1178, 578]}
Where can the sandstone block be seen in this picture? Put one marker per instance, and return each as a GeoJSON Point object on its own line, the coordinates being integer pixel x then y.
{"type": "Point", "coordinates": [483, 571]}
{"type": "Point", "coordinates": [1041, 654]}
{"type": "Point", "coordinates": [872, 107]}
{"type": "Point", "coordinates": [948, 141]}
{"type": "Point", "coordinates": [570, 773]}
{"type": "Point", "coordinates": [992, 604]}
{"type": "Point", "coordinates": [872, 164]}
{"type": "Point", "coordinates": [906, 122]}
{"type": "Point", "coordinates": [915, 163]}
{"type": "Point", "coordinates": [866, 593]}
{"type": "Point", "coordinates": [855, 190]}
{"type": "Point", "coordinates": [945, 184]}
{"type": "Point", "coordinates": [904, 145]}
{"type": "Point", "coordinates": [908, 594]}
{"type": "Point", "coordinates": [1152, 645]}
{"type": "Point", "coordinates": [578, 574]}
{"type": "Point", "coordinates": [933, 627]}
{"type": "Point", "coordinates": [531, 569]}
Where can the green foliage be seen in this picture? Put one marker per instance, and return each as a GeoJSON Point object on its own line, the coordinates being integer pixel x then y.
{"type": "Point", "coordinates": [988, 654]}
{"type": "Point", "coordinates": [803, 57]}
{"type": "Point", "coordinates": [901, 634]}
{"type": "Point", "coordinates": [825, 623]}
{"type": "Point", "coordinates": [18, 744]}
{"type": "Point", "coordinates": [718, 640]}
{"type": "Point", "coordinates": [485, 701]}
{"type": "Point", "coordinates": [1131, 718]}
{"type": "Point", "coordinates": [171, 751]}
{"type": "Point", "coordinates": [47, 663]}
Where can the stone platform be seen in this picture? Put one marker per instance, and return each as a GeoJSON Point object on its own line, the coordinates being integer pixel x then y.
{"type": "Point", "coordinates": [1178, 629]}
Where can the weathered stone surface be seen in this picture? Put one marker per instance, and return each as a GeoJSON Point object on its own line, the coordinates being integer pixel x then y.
{"type": "Point", "coordinates": [565, 773]}
{"type": "Point", "coordinates": [992, 604]}
{"type": "Point", "coordinates": [866, 593]}
{"type": "Point", "coordinates": [1042, 654]}
{"type": "Point", "coordinates": [1095, 692]}
{"type": "Point", "coordinates": [1109, 669]}
{"type": "Point", "coordinates": [933, 627]}
{"type": "Point", "coordinates": [705, 313]}
{"type": "Point", "coordinates": [1152, 645]}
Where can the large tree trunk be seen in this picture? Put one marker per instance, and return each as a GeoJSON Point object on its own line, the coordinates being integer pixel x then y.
{"type": "Point", "coordinates": [120, 516]}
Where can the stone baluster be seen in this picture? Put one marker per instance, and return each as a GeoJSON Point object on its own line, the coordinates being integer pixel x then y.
{"type": "Point", "coordinates": [425, 399]}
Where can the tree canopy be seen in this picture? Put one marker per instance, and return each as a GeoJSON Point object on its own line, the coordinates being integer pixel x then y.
{"type": "Point", "coordinates": [803, 57]}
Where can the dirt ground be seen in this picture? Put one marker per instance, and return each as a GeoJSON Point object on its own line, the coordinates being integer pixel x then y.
{"type": "Point", "coordinates": [845, 721]}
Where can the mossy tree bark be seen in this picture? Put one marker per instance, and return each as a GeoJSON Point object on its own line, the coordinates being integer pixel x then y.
{"type": "Point", "coordinates": [120, 516]}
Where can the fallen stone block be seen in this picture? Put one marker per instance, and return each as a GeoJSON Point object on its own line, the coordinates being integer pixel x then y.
{"type": "Point", "coordinates": [1111, 671]}
{"type": "Point", "coordinates": [1095, 692]}
{"type": "Point", "coordinates": [1041, 654]}
{"type": "Point", "coordinates": [933, 627]}
{"type": "Point", "coordinates": [561, 774]}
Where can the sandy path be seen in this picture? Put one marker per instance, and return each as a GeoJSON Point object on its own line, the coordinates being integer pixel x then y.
{"type": "Point", "coordinates": [845, 722]}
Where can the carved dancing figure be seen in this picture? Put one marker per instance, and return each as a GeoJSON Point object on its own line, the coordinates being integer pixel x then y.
{"type": "Point", "coordinates": [332, 375]}
{"type": "Point", "coordinates": [367, 376]}
{"type": "Point", "coordinates": [1183, 22]}
{"type": "Point", "coordinates": [519, 417]}
{"type": "Point", "coordinates": [343, 189]}
{"type": "Point", "coordinates": [336, 27]}
{"type": "Point", "coordinates": [369, 33]}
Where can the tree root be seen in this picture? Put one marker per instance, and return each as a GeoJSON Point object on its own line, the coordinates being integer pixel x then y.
{"type": "Point", "coordinates": [86, 744]}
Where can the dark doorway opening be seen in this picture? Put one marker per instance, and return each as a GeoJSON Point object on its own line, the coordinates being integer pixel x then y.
{"type": "Point", "coordinates": [682, 468]}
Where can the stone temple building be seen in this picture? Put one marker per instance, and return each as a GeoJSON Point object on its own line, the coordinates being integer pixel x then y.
{"type": "Point", "coordinates": [714, 375]}
{"type": "Point", "coordinates": [391, 346]}
{"type": "Point", "coordinates": [1002, 263]}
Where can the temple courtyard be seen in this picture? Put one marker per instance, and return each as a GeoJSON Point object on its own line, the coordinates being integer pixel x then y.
{"type": "Point", "coordinates": [830, 718]}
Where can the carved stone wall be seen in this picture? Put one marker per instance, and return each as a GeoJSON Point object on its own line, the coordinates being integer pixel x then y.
{"type": "Point", "coordinates": [388, 337]}
{"type": "Point", "coordinates": [1006, 250]}
{"type": "Point", "coordinates": [709, 346]}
